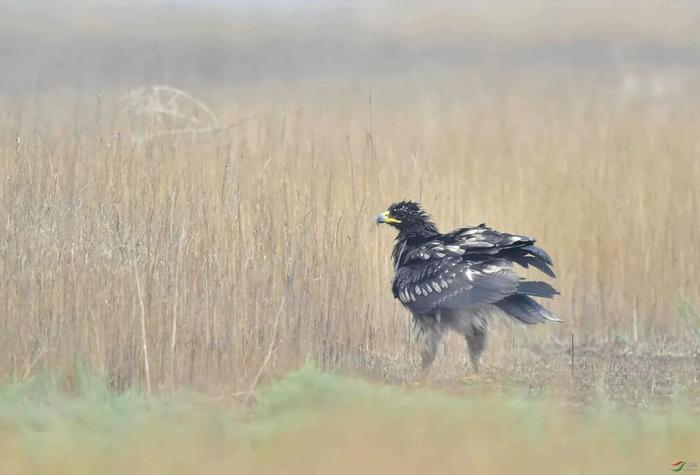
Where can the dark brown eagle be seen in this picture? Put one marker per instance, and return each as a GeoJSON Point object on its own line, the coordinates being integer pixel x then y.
{"type": "Point", "coordinates": [457, 280]}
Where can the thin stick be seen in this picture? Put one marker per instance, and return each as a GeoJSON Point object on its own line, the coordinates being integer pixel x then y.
{"type": "Point", "coordinates": [634, 320]}
{"type": "Point", "coordinates": [269, 352]}
{"type": "Point", "coordinates": [35, 359]}
{"type": "Point", "coordinates": [144, 341]}
{"type": "Point", "coordinates": [572, 353]}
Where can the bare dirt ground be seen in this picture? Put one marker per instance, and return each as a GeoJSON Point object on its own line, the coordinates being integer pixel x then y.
{"type": "Point", "coordinates": [604, 373]}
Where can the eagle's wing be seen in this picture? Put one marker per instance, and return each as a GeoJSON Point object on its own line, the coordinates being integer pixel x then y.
{"type": "Point", "coordinates": [482, 240]}
{"type": "Point", "coordinates": [469, 267]}
{"type": "Point", "coordinates": [436, 276]}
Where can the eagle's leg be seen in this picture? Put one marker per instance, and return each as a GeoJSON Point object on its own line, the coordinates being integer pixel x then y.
{"type": "Point", "coordinates": [429, 333]}
{"type": "Point", "coordinates": [476, 342]}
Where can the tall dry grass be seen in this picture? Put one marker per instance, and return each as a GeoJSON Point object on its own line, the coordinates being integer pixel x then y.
{"type": "Point", "coordinates": [202, 261]}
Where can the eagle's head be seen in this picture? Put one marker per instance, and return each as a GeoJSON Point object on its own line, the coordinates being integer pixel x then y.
{"type": "Point", "coordinates": [409, 218]}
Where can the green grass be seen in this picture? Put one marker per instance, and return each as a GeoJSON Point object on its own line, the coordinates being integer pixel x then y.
{"type": "Point", "coordinates": [316, 422]}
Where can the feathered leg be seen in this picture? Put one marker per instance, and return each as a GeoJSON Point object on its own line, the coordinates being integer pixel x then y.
{"type": "Point", "coordinates": [429, 335]}
{"type": "Point", "coordinates": [476, 342]}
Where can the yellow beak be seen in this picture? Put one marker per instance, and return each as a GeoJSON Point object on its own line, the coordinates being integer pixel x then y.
{"type": "Point", "coordinates": [385, 217]}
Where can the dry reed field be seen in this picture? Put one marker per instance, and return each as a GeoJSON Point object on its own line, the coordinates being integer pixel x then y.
{"type": "Point", "coordinates": [190, 264]}
{"type": "Point", "coordinates": [192, 260]}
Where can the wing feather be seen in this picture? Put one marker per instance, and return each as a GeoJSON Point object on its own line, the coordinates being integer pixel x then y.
{"type": "Point", "coordinates": [452, 283]}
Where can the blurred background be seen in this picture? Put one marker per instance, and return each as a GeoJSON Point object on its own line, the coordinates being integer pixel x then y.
{"type": "Point", "coordinates": [188, 188]}
{"type": "Point", "coordinates": [638, 48]}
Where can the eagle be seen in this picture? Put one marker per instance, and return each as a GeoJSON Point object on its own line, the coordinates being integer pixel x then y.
{"type": "Point", "coordinates": [456, 281]}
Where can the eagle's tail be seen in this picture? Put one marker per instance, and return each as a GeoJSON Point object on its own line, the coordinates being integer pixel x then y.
{"type": "Point", "coordinates": [525, 310]}
{"type": "Point", "coordinates": [537, 289]}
